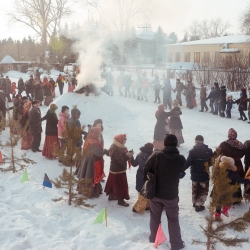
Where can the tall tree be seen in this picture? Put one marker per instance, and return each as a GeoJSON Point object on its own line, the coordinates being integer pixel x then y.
{"type": "Point", "coordinates": [173, 36]}
{"type": "Point", "coordinates": [159, 44]}
{"type": "Point", "coordinates": [43, 16]}
{"type": "Point", "coordinates": [245, 21]}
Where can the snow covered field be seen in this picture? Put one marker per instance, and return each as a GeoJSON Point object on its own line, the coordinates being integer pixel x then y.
{"type": "Point", "coordinates": [29, 218]}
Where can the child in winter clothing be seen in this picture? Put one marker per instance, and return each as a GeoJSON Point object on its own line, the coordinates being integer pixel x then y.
{"type": "Point", "coordinates": [203, 95]}
{"type": "Point", "coordinates": [229, 103]}
{"type": "Point", "coordinates": [211, 98]}
{"type": "Point", "coordinates": [13, 90]}
{"type": "Point", "coordinates": [142, 203]}
{"type": "Point", "coordinates": [229, 164]}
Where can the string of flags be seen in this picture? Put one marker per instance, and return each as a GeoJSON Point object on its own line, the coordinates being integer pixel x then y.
{"type": "Point", "coordinates": [46, 180]}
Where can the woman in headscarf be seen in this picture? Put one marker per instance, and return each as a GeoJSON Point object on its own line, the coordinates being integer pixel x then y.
{"type": "Point", "coordinates": [51, 132]}
{"type": "Point", "coordinates": [117, 185]}
{"type": "Point", "coordinates": [27, 138]}
{"type": "Point", "coordinates": [91, 168]}
{"type": "Point", "coordinates": [38, 87]}
{"type": "Point", "coordinates": [160, 127]}
{"type": "Point", "coordinates": [234, 149]}
{"type": "Point", "coordinates": [175, 124]}
{"type": "Point", "coordinates": [48, 88]}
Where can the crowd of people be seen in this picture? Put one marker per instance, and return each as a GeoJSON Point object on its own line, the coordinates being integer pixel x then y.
{"type": "Point", "coordinates": [161, 157]}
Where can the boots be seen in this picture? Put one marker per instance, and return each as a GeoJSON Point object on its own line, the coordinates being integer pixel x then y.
{"type": "Point", "coordinates": [123, 203]}
{"type": "Point", "coordinates": [112, 198]}
{"type": "Point", "coordinates": [225, 210]}
{"type": "Point", "coordinates": [217, 215]}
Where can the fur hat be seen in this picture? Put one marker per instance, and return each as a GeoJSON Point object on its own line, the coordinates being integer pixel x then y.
{"type": "Point", "coordinates": [35, 102]}
{"type": "Point", "coordinates": [149, 146]}
{"type": "Point", "coordinates": [199, 139]}
{"type": "Point", "coordinates": [216, 84]}
{"type": "Point", "coordinates": [227, 162]}
{"type": "Point", "coordinates": [175, 103]}
{"type": "Point", "coordinates": [232, 134]}
{"type": "Point", "coordinates": [170, 140]}
{"type": "Point", "coordinates": [98, 121]}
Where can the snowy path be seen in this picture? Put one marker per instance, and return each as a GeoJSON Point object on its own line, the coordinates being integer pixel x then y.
{"type": "Point", "coordinates": [30, 220]}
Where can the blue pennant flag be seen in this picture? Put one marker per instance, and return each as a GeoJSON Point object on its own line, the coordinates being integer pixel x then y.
{"type": "Point", "coordinates": [46, 181]}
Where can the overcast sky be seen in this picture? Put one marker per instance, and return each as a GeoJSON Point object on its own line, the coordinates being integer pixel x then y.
{"type": "Point", "coordinates": [172, 15]}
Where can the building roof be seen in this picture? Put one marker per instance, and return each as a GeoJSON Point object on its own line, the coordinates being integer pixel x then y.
{"type": "Point", "coordinates": [7, 59]}
{"type": "Point", "coordinates": [217, 40]}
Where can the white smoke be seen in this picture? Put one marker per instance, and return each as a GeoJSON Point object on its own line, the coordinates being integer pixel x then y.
{"type": "Point", "coordinates": [91, 48]}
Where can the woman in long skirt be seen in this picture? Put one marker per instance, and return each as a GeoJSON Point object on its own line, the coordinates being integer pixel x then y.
{"type": "Point", "coordinates": [51, 132]}
{"type": "Point", "coordinates": [91, 169]}
{"type": "Point", "coordinates": [117, 184]}
{"type": "Point", "coordinates": [175, 124]}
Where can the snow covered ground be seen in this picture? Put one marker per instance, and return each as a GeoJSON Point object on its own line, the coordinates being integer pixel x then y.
{"type": "Point", "coordinates": [31, 220]}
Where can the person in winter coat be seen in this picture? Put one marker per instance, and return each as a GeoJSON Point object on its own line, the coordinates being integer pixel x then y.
{"type": "Point", "coordinates": [229, 103]}
{"type": "Point", "coordinates": [167, 93]}
{"type": "Point", "coordinates": [157, 88]}
{"type": "Point", "coordinates": [139, 84]}
{"type": "Point", "coordinates": [186, 90]}
{"type": "Point", "coordinates": [242, 102]}
{"type": "Point", "coordinates": [211, 98]}
{"type": "Point", "coordinates": [203, 95]}
{"type": "Point", "coordinates": [48, 89]}
{"type": "Point", "coordinates": [145, 87]}
{"type": "Point", "coordinates": [175, 124]}
{"type": "Point", "coordinates": [2, 84]}
{"type": "Point", "coordinates": [191, 94]}
{"type": "Point", "coordinates": [51, 134]}
{"type": "Point", "coordinates": [61, 126]}
{"type": "Point", "coordinates": [222, 101]}
{"type": "Point", "coordinates": [98, 123]}
{"type": "Point", "coordinates": [8, 88]}
{"type": "Point", "coordinates": [161, 126]}
{"type": "Point", "coordinates": [141, 203]}
{"type": "Point", "coordinates": [20, 85]}
{"type": "Point", "coordinates": [247, 155]}
{"type": "Point", "coordinates": [38, 89]}
{"type": "Point", "coordinates": [30, 88]}
{"type": "Point", "coordinates": [35, 126]}
{"type": "Point", "coordinates": [179, 87]}
{"type": "Point", "coordinates": [167, 166]}
{"type": "Point", "coordinates": [227, 164]}
{"type": "Point", "coordinates": [117, 185]}
{"type": "Point", "coordinates": [198, 157]}
{"type": "Point", "coordinates": [127, 84]}
{"type": "Point", "coordinates": [53, 84]}
{"type": "Point", "coordinates": [110, 84]}
{"type": "Point", "coordinates": [248, 105]}
{"type": "Point", "coordinates": [2, 113]}
{"type": "Point", "coordinates": [235, 149]}
{"type": "Point", "coordinates": [13, 90]}
{"type": "Point", "coordinates": [91, 170]}
{"type": "Point", "coordinates": [216, 97]}
{"type": "Point", "coordinates": [60, 82]}
{"type": "Point", "coordinates": [16, 103]}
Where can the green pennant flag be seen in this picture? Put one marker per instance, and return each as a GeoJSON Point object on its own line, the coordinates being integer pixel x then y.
{"type": "Point", "coordinates": [25, 176]}
{"type": "Point", "coordinates": [102, 216]}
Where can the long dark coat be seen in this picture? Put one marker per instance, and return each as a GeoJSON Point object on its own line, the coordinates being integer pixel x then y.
{"type": "Point", "coordinates": [166, 91]}
{"type": "Point", "coordinates": [38, 92]}
{"type": "Point", "coordinates": [223, 96]}
{"type": "Point", "coordinates": [51, 124]}
{"type": "Point", "coordinates": [35, 120]}
{"type": "Point", "coordinates": [140, 160]}
{"type": "Point", "coordinates": [236, 154]}
{"type": "Point", "coordinates": [175, 120]}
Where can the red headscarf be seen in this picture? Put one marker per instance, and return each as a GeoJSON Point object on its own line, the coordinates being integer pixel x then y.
{"type": "Point", "coordinates": [93, 138]}
{"type": "Point", "coordinates": [121, 138]}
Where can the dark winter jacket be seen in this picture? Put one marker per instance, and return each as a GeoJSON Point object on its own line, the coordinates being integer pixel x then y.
{"type": "Point", "coordinates": [229, 104]}
{"type": "Point", "coordinates": [242, 101]}
{"type": "Point", "coordinates": [247, 154]}
{"type": "Point", "coordinates": [179, 86]}
{"type": "Point", "coordinates": [169, 166]}
{"type": "Point", "coordinates": [38, 87]}
{"type": "Point", "coordinates": [20, 85]}
{"type": "Point", "coordinates": [51, 124]}
{"type": "Point", "coordinates": [175, 120]}
{"type": "Point", "coordinates": [8, 86]}
{"type": "Point", "coordinates": [3, 84]}
{"type": "Point", "coordinates": [52, 82]}
{"type": "Point", "coordinates": [211, 96]}
{"type": "Point", "coordinates": [75, 115]}
{"type": "Point", "coordinates": [35, 120]}
{"type": "Point", "coordinates": [119, 158]}
{"type": "Point", "coordinates": [216, 91]}
{"type": "Point", "coordinates": [157, 85]}
{"type": "Point", "coordinates": [223, 98]}
{"type": "Point", "coordinates": [167, 89]}
{"type": "Point", "coordinates": [2, 107]}
{"type": "Point", "coordinates": [140, 160]}
{"type": "Point", "coordinates": [203, 93]}
{"type": "Point", "coordinates": [191, 92]}
{"type": "Point", "coordinates": [198, 156]}
{"type": "Point", "coordinates": [30, 85]}
{"type": "Point", "coordinates": [47, 90]}
{"type": "Point", "coordinates": [160, 130]}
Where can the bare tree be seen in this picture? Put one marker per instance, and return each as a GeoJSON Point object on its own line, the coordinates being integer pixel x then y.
{"type": "Point", "coordinates": [245, 21]}
{"type": "Point", "coordinates": [207, 29]}
{"type": "Point", "coordinates": [43, 16]}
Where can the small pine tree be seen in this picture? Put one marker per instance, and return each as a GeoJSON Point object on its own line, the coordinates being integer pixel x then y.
{"type": "Point", "coordinates": [222, 194]}
{"type": "Point", "coordinates": [70, 155]}
{"type": "Point", "coordinates": [15, 134]}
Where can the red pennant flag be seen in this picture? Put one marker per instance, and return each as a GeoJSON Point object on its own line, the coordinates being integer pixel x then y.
{"type": "Point", "coordinates": [1, 157]}
{"type": "Point", "coordinates": [160, 237]}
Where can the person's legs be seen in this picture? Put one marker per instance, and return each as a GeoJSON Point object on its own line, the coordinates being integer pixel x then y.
{"type": "Point", "coordinates": [172, 212]}
{"type": "Point", "coordinates": [194, 192]}
{"type": "Point", "coordinates": [202, 193]}
{"type": "Point", "coordinates": [36, 141]}
{"type": "Point", "coordinates": [156, 207]}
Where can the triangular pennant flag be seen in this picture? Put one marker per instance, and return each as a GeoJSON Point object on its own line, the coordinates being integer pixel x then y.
{"type": "Point", "coordinates": [102, 216]}
{"type": "Point", "coordinates": [1, 157]}
{"type": "Point", "coordinates": [25, 176]}
{"type": "Point", "coordinates": [160, 237]}
{"type": "Point", "coordinates": [46, 181]}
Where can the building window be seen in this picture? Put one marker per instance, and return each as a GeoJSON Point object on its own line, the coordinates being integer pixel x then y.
{"type": "Point", "coordinates": [206, 59]}
{"type": "Point", "coordinates": [187, 56]}
{"type": "Point", "coordinates": [197, 58]}
{"type": "Point", "coordinates": [177, 57]}
{"type": "Point", "coordinates": [169, 55]}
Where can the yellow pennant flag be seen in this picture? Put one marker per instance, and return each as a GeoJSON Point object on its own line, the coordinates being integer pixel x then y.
{"type": "Point", "coordinates": [25, 176]}
{"type": "Point", "coordinates": [102, 216]}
